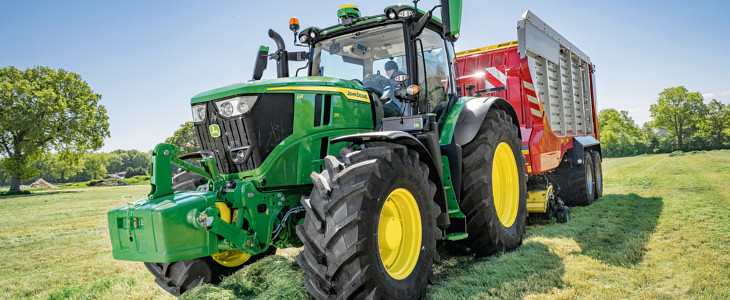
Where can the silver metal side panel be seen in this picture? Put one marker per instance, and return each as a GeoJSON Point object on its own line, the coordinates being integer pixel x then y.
{"type": "Point", "coordinates": [560, 74]}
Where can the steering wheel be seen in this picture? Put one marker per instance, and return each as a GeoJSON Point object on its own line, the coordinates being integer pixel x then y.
{"type": "Point", "coordinates": [358, 81]}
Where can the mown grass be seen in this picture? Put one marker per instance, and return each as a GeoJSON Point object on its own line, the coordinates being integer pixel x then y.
{"type": "Point", "coordinates": [662, 230]}
{"type": "Point", "coordinates": [55, 245]}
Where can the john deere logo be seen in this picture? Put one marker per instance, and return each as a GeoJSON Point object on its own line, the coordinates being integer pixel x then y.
{"type": "Point", "coordinates": [215, 131]}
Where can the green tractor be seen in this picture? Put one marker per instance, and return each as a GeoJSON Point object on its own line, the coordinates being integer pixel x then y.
{"type": "Point", "coordinates": [367, 163]}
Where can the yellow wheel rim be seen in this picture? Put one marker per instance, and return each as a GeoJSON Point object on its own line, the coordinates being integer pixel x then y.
{"type": "Point", "coordinates": [505, 185]}
{"type": "Point", "coordinates": [399, 233]}
{"type": "Point", "coordinates": [231, 258]}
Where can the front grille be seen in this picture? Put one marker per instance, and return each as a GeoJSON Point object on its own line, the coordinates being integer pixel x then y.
{"type": "Point", "coordinates": [269, 122]}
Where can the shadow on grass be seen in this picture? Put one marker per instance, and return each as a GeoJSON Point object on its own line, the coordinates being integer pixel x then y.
{"type": "Point", "coordinates": [36, 193]}
{"type": "Point", "coordinates": [614, 229]}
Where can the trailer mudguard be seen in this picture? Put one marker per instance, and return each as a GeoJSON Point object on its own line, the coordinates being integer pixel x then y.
{"type": "Point", "coordinates": [408, 140]}
{"type": "Point", "coordinates": [473, 114]}
{"type": "Point", "coordinates": [580, 144]}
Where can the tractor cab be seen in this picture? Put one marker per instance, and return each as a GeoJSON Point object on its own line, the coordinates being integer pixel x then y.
{"type": "Point", "coordinates": [401, 49]}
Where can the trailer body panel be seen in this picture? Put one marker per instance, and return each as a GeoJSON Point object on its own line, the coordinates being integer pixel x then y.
{"type": "Point", "coordinates": [549, 82]}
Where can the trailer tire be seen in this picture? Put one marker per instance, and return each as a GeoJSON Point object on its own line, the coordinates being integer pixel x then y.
{"type": "Point", "coordinates": [358, 219]}
{"type": "Point", "coordinates": [495, 217]}
{"type": "Point", "coordinates": [598, 174]}
{"type": "Point", "coordinates": [577, 183]}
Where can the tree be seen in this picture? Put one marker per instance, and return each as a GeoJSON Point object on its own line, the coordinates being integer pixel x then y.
{"type": "Point", "coordinates": [95, 165]}
{"type": "Point", "coordinates": [185, 138]}
{"type": "Point", "coordinates": [136, 159]}
{"type": "Point", "coordinates": [43, 109]}
{"type": "Point", "coordinates": [618, 121]}
{"type": "Point", "coordinates": [718, 119]}
{"type": "Point", "coordinates": [678, 111]}
{"type": "Point", "coordinates": [116, 164]}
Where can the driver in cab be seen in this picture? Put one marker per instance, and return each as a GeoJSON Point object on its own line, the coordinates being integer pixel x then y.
{"type": "Point", "coordinates": [393, 107]}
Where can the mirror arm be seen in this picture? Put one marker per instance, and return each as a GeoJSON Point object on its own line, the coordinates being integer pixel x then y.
{"type": "Point", "coordinates": [421, 24]}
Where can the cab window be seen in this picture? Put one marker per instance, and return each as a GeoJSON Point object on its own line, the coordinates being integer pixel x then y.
{"type": "Point", "coordinates": [432, 59]}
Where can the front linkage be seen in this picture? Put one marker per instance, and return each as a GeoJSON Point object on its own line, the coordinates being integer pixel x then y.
{"type": "Point", "coordinates": [226, 214]}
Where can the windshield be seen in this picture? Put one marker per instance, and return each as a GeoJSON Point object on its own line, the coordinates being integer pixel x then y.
{"type": "Point", "coordinates": [372, 56]}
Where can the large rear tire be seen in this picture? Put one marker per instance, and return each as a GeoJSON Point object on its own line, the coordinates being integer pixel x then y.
{"type": "Point", "coordinates": [494, 192]}
{"type": "Point", "coordinates": [576, 182]}
{"type": "Point", "coordinates": [370, 226]}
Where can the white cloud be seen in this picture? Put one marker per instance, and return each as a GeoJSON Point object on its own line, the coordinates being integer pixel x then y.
{"type": "Point", "coordinates": [708, 95]}
{"type": "Point", "coordinates": [725, 93]}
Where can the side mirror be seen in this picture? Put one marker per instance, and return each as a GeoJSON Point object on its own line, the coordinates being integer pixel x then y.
{"type": "Point", "coordinates": [451, 18]}
{"type": "Point", "coordinates": [469, 88]}
{"type": "Point", "coordinates": [260, 65]}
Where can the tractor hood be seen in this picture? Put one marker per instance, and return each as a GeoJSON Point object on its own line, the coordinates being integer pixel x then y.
{"type": "Point", "coordinates": [261, 86]}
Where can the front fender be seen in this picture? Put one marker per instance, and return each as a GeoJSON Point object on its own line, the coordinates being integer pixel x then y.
{"type": "Point", "coordinates": [472, 116]}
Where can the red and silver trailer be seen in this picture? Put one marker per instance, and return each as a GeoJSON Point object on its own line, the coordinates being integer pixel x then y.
{"type": "Point", "coordinates": [551, 85]}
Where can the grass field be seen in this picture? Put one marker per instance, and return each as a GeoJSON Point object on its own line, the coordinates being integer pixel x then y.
{"type": "Point", "coordinates": [662, 230]}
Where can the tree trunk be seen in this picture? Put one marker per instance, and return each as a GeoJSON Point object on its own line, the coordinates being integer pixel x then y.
{"type": "Point", "coordinates": [14, 185]}
{"type": "Point", "coordinates": [679, 141]}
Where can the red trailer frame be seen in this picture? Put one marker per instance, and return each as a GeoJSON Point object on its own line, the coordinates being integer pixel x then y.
{"type": "Point", "coordinates": [543, 147]}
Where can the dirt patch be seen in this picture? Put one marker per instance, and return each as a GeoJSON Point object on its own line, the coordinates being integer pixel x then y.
{"type": "Point", "coordinates": [40, 183]}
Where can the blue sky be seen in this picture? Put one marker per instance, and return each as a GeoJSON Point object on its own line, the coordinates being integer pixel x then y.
{"type": "Point", "coordinates": [148, 58]}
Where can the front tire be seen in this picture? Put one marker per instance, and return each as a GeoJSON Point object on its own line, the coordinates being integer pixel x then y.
{"type": "Point", "coordinates": [180, 276]}
{"type": "Point", "coordinates": [370, 229]}
{"type": "Point", "coordinates": [494, 187]}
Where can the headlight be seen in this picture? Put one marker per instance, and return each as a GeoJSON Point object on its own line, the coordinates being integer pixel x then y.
{"type": "Point", "coordinates": [405, 13]}
{"type": "Point", "coordinates": [199, 112]}
{"type": "Point", "coordinates": [391, 14]}
{"type": "Point", "coordinates": [236, 106]}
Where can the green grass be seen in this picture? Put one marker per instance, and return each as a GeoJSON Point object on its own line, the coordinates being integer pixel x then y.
{"type": "Point", "coordinates": [55, 245]}
{"type": "Point", "coordinates": [662, 230]}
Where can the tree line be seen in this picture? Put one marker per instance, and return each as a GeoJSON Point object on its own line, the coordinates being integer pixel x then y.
{"type": "Point", "coordinates": [681, 121]}
{"type": "Point", "coordinates": [51, 121]}
{"type": "Point", "coordinates": [52, 168]}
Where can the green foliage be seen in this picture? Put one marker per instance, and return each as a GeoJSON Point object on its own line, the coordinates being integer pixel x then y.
{"type": "Point", "coordinates": [132, 172]}
{"type": "Point", "coordinates": [141, 179]}
{"type": "Point", "coordinates": [617, 121]}
{"type": "Point", "coordinates": [185, 138]}
{"type": "Point", "coordinates": [133, 158]}
{"type": "Point", "coordinates": [43, 109]}
{"type": "Point", "coordinates": [717, 122]}
{"type": "Point", "coordinates": [620, 136]}
{"type": "Point", "coordinates": [116, 164]}
{"type": "Point", "coordinates": [678, 111]}
{"type": "Point", "coordinates": [681, 122]}
{"type": "Point", "coordinates": [95, 165]}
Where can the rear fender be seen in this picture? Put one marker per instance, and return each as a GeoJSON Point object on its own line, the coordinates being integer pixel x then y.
{"type": "Point", "coordinates": [583, 143]}
{"type": "Point", "coordinates": [472, 116]}
{"type": "Point", "coordinates": [408, 140]}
